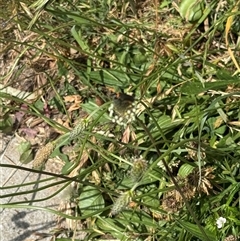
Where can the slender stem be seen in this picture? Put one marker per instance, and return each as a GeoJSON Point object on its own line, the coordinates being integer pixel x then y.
{"type": "Point", "coordinates": [174, 181]}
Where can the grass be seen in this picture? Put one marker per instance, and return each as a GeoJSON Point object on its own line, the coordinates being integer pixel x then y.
{"type": "Point", "coordinates": [145, 98]}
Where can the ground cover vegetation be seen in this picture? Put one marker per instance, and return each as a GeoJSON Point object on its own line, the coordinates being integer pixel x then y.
{"type": "Point", "coordinates": [139, 101]}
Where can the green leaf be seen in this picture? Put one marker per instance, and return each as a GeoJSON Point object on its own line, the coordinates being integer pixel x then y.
{"type": "Point", "coordinates": [81, 20]}
{"type": "Point", "coordinates": [116, 229]}
{"type": "Point", "coordinates": [68, 167]}
{"type": "Point", "coordinates": [39, 105]}
{"type": "Point", "coordinates": [185, 170]}
{"type": "Point", "coordinates": [25, 151]}
{"type": "Point", "coordinates": [91, 107]}
{"type": "Point", "coordinates": [66, 239]}
{"type": "Point", "coordinates": [191, 10]}
{"type": "Point", "coordinates": [57, 152]}
{"type": "Point", "coordinates": [195, 231]}
{"type": "Point", "coordinates": [113, 77]}
{"type": "Point", "coordinates": [39, 4]}
{"type": "Point", "coordinates": [90, 200]}
{"type": "Point", "coordinates": [166, 124]}
{"type": "Point", "coordinates": [78, 37]}
{"type": "Point", "coordinates": [6, 124]}
{"type": "Point", "coordinates": [24, 146]}
{"type": "Point", "coordinates": [141, 218]}
{"type": "Point", "coordinates": [194, 88]}
{"type": "Point", "coordinates": [26, 157]}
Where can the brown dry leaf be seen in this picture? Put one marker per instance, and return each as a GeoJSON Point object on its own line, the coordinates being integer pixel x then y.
{"type": "Point", "coordinates": [71, 98]}
{"type": "Point", "coordinates": [107, 167]}
{"type": "Point", "coordinates": [133, 136]}
{"type": "Point", "coordinates": [227, 30]}
{"type": "Point", "coordinates": [111, 147]}
{"type": "Point", "coordinates": [126, 135]}
{"type": "Point", "coordinates": [159, 88]}
{"type": "Point", "coordinates": [132, 204]}
{"type": "Point", "coordinates": [150, 69]}
{"type": "Point", "coordinates": [70, 208]}
{"type": "Point", "coordinates": [62, 123]}
{"type": "Point", "coordinates": [99, 101]}
{"type": "Point", "coordinates": [234, 123]}
{"type": "Point", "coordinates": [96, 178]}
{"type": "Point", "coordinates": [83, 160]}
{"type": "Point", "coordinates": [75, 99]}
{"type": "Point", "coordinates": [170, 203]}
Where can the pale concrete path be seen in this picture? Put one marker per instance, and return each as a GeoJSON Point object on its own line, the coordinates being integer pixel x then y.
{"type": "Point", "coordinates": [24, 224]}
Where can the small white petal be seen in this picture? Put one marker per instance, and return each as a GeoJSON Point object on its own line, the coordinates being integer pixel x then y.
{"type": "Point", "coordinates": [111, 114]}
{"type": "Point", "coordinates": [111, 107]}
{"type": "Point", "coordinates": [220, 222]}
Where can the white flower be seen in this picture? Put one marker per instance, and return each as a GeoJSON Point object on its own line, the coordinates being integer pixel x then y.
{"type": "Point", "coordinates": [220, 222]}
{"type": "Point", "coordinates": [123, 111]}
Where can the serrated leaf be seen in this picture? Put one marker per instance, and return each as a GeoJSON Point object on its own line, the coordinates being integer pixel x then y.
{"type": "Point", "coordinates": [90, 200]}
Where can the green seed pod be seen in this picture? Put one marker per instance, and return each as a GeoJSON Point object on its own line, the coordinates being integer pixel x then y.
{"type": "Point", "coordinates": [121, 203]}
{"type": "Point", "coordinates": [138, 169]}
{"type": "Point", "coordinates": [78, 129]}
